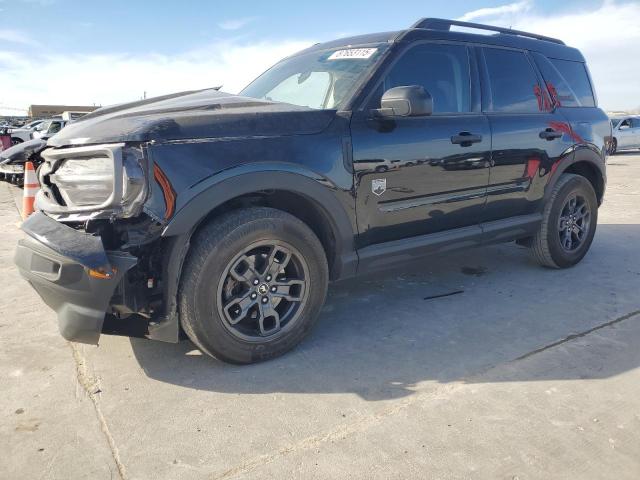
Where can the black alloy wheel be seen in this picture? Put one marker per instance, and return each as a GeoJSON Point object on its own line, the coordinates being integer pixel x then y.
{"type": "Point", "coordinates": [263, 291]}
{"type": "Point", "coordinates": [574, 222]}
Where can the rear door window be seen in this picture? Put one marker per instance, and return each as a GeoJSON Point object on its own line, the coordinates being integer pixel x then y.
{"type": "Point", "coordinates": [513, 84]}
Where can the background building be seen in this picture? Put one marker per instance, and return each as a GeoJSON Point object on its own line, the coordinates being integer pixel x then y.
{"type": "Point", "coordinates": [38, 111]}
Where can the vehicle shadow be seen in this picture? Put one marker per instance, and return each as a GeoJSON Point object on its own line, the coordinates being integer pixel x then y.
{"type": "Point", "coordinates": [382, 337]}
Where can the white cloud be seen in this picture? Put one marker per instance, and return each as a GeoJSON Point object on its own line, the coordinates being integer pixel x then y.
{"type": "Point", "coordinates": [608, 36]}
{"type": "Point", "coordinates": [16, 36]}
{"type": "Point", "coordinates": [511, 8]}
{"type": "Point", "coordinates": [51, 78]}
{"type": "Point", "coordinates": [235, 23]}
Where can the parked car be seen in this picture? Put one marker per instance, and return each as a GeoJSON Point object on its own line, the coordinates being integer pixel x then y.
{"type": "Point", "coordinates": [32, 124]}
{"type": "Point", "coordinates": [25, 133]}
{"type": "Point", "coordinates": [626, 134]}
{"type": "Point", "coordinates": [49, 128]}
{"type": "Point", "coordinates": [225, 216]}
{"type": "Point", "coordinates": [13, 159]}
{"type": "Point", "coordinates": [5, 138]}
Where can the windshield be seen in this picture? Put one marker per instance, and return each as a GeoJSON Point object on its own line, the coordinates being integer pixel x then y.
{"type": "Point", "coordinates": [615, 122]}
{"type": "Point", "coordinates": [320, 80]}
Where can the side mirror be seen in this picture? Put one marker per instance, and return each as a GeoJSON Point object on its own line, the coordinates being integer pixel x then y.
{"type": "Point", "coordinates": [409, 101]}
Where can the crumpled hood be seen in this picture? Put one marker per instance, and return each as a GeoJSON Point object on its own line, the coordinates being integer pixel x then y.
{"type": "Point", "coordinates": [192, 115]}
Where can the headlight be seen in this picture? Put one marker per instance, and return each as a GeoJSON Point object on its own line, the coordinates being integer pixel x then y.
{"type": "Point", "coordinates": [86, 181]}
{"type": "Point", "coordinates": [103, 179]}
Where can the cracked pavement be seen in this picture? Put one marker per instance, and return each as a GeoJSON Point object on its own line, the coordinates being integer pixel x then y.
{"type": "Point", "coordinates": [528, 373]}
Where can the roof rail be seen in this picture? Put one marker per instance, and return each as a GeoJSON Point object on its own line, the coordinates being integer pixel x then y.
{"type": "Point", "coordinates": [442, 24]}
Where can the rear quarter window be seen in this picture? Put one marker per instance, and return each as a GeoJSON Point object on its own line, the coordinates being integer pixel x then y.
{"type": "Point", "coordinates": [567, 81]}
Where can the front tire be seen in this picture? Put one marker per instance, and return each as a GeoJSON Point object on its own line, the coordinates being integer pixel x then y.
{"type": "Point", "coordinates": [568, 225]}
{"type": "Point", "coordinates": [252, 285]}
{"type": "Point", "coordinates": [614, 147]}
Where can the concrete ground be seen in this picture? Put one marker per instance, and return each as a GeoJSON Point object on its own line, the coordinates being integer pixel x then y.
{"type": "Point", "coordinates": [529, 373]}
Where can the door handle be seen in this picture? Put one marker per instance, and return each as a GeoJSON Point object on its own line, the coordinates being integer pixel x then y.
{"type": "Point", "coordinates": [550, 134]}
{"type": "Point", "coordinates": [466, 139]}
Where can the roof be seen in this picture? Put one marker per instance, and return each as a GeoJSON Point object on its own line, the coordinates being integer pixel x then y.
{"type": "Point", "coordinates": [438, 29]}
{"type": "Point", "coordinates": [443, 24]}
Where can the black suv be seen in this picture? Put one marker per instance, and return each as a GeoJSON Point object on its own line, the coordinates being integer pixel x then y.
{"type": "Point", "coordinates": [225, 216]}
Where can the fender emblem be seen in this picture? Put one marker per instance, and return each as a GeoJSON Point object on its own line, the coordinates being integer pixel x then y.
{"type": "Point", "coordinates": [379, 186]}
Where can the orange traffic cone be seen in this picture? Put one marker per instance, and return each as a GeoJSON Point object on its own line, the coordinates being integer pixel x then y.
{"type": "Point", "coordinates": [31, 187]}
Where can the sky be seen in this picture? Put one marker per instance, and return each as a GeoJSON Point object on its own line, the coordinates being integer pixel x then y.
{"type": "Point", "coordinates": [86, 52]}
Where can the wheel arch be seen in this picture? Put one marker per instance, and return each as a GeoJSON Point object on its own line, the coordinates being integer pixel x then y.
{"type": "Point", "coordinates": [306, 196]}
{"type": "Point", "coordinates": [588, 164]}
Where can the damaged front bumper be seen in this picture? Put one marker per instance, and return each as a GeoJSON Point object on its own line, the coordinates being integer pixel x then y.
{"type": "Point", "coordinates": [72, 273]}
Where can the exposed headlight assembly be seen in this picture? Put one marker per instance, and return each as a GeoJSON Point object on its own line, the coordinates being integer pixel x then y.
{"type": "Point", "coordinates": [84, 182]}
{"type": "Point", "coordinates": [101, 180]}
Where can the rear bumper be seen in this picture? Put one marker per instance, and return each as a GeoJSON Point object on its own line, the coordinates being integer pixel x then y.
{"type": "Point", "coordinates": [55, 259]}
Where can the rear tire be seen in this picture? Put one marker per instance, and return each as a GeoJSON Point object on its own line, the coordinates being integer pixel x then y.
{"type": "Point", "coordinates": [252, 285]}
{"type": "Point", "coordinates": [568, 225]}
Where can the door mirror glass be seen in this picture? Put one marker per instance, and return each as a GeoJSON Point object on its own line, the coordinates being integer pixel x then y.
{"type": "Point", "coordinates": [406, 101]}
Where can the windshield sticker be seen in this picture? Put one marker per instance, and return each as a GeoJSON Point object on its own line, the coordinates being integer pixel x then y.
{"type": "Point", "coordinates": [353, 53]}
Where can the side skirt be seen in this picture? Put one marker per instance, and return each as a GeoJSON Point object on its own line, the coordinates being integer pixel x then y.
{"type": "Point", "coordinates": [400, 252]}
